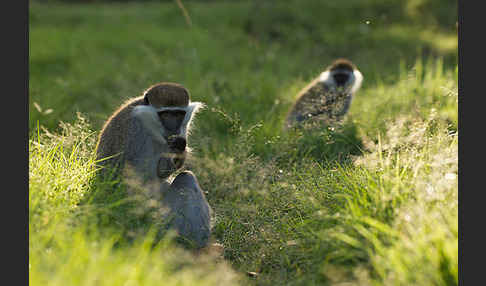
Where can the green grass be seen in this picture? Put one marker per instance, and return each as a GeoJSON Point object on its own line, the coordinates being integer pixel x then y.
{"type": "Point", "coordinates": [370, 202]}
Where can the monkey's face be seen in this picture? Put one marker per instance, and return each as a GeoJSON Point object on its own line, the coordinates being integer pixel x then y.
{"type": "Point", "coordinates": [172, 120]}
{"type": "Point", "coordinates": [342, 80]}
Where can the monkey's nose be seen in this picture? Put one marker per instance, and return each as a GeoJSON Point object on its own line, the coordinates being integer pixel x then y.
{"type": "Point", "coordinates": [178, 143]}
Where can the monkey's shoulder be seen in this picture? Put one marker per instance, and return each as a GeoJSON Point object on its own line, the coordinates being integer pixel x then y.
{"type": "Point", "coordinates": [316, 94]}
{"type": "Point", "coordinates": [113, 133]}
{"type": "Point", "coordinates": [123, 112]}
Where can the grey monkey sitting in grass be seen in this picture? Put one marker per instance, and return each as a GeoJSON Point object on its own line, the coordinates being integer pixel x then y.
{"type": "Point", "coordinates": [328, 97]}
{"type": "Point", "coordinates": [145, 140]}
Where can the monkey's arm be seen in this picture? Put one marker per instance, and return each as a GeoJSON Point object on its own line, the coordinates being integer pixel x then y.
{"type": "Point", "coordinates": [307, 101]}
{"type": "Point", "coordinates": [147, 118]}
{"type": "Point", "coordinates": [146, 144]}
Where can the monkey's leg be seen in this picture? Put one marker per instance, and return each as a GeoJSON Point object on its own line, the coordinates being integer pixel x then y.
{"type": "Point", "coordinates": [190, 211]}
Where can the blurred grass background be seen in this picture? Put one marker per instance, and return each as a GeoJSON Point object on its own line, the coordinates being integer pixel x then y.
{"type": "Point", "coordinates": [371, 202]}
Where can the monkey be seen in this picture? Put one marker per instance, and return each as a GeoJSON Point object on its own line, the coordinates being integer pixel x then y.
{"type": "Point", "coordinates": [328, 97]}
{"type": "Point", "coordinates": [146, 139]}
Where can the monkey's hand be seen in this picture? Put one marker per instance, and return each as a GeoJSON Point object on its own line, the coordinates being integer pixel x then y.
{"type": "Point", "coordinates": [175, 158]}
{"type": "Point", "coordinates": [169, 163]}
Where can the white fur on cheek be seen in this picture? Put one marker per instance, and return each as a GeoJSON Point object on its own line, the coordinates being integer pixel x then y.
{"type": "Point", "coordinates": [358, 80]}
{"type": "Point", "coordinates": [325, 77]}
{"type": "Point", "coordinates": [148, 116]}
{"type": "Point", "coordinates": [191, 110]}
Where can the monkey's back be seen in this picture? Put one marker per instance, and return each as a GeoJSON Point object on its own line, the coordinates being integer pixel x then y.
{"type": "Point", "coordinates": [318, 103]}
{"type": "Point", "coordinates": [114, 133]}
{"type": "Point", "coordinates": [307, 101]}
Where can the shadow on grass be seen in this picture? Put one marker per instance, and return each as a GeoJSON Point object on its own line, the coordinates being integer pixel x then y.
{"type": "Point", "coordinates": [320, 143]}
{"type": "Point", "coordinates": [326, 144]}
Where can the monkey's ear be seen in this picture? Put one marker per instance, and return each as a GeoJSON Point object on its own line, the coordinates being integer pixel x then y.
{"type": "Point", "coordinates": [166, 94]}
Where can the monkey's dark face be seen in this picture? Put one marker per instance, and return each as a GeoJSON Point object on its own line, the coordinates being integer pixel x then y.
{"type": "Point", "coordinates": [343, 78]}
{"type": "Point", "coordinates": [172, 121]}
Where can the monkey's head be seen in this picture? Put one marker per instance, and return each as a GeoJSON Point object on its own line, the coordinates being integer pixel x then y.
{"type": "Point", "coordinates": [175, 112]}
{"type": "Point", "coordinates": [342, 76]}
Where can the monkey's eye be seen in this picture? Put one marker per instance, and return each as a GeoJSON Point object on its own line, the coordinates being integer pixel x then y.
{"type": "Point", "coordinates": [172, 119]}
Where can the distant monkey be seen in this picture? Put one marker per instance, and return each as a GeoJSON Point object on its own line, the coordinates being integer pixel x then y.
{"type": "Point", "coordinates": [147, 136]}
{"type": "Point", "coordinates": [328, 97]}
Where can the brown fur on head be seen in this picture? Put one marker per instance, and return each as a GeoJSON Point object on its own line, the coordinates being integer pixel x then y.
{"type": "Point", "coordinates": [343, 64]}
{"type": "Point", "coordinates": [167, 94]}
